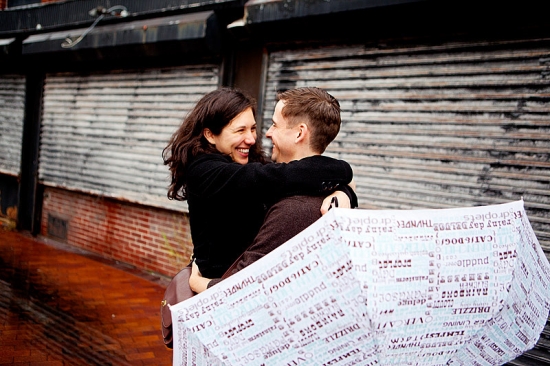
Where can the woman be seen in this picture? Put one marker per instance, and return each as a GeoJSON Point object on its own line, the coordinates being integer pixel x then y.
{"type": "Point", "coordinates": [219, 169]}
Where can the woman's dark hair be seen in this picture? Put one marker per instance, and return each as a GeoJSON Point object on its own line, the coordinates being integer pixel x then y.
{"type": "Point", "coordinates": [213, 111]}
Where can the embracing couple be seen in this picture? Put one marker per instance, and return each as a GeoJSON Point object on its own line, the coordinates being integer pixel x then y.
{"type": "Point", "coordinates": [241, 206]}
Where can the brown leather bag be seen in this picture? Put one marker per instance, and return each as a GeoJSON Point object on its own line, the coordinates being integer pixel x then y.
{"type": "Point", "coordinates": [177, 291]}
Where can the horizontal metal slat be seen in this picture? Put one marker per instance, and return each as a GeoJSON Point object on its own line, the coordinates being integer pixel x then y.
{"type": "Point", "coordinates": [490, 81]}
{"type": "Point", "coordinates": [12, 100]}
{"type": "Point", "coordinates": [435, 125]}
{"type": "Point", "coordinates": [468, 131]}
{"type": "Point", "coordinates": [411, 48]}
{"type": "Point", "coordinates": [450, 53]}
{"type": "Point", "coordinates": [444, 180]}
{"type": "Point", "coordinates": [453, 143]}
{"type": "Point", "coordinates": [523, 107]}
{"type": "Point", "coordinates": [350, 96]}
{"type": "Point", "coordinates": [330, 72]}
{"type": "Point", "coordinates": [522, 120]}
{"type": "Point", "coordinates": [451, 167]}
{"type": "Point", "coordinates": [427, 155]}
{"type": "Point", "coordinates": [105, 133]}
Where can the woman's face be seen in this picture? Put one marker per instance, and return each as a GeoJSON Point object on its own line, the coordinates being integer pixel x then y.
{"type": "Point", "coordinates": [236, 138]}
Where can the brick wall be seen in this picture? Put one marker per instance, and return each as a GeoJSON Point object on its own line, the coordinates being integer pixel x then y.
{"type": "Point", "coordinates": [148, 238]}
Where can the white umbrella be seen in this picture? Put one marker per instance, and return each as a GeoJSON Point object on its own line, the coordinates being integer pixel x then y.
{"type": "Point", "coordinates": [390, 287]}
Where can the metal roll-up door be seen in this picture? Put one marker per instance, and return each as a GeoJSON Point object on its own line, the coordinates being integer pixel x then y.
{"type": "Point", "coordinates": [437, 126]}
{"type": "Point", "coordinates": [12, 113]}
{"type": "Point", "coordinates": [104, 133]}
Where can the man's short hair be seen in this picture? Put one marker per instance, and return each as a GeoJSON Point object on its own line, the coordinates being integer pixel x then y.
{"type": "Point", "coordinates": [316, 108]}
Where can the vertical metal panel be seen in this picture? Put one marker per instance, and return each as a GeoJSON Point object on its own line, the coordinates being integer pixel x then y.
{"type": "Point", "coordinates": [104, 133]}
{"type": "Point", "coordinates": [30, 197]}
{"type": "Point", "coordinates": [438, 126]}
{"type": "Point", "coordinates": [12, 112]}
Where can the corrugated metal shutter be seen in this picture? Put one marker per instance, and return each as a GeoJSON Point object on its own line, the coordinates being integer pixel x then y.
{"type": "Point", "coordinates": [104, 133]}
{"type": "Point", "coordinates": [437, 126]}
{"type": "Point", "coordinates": [12, 112]}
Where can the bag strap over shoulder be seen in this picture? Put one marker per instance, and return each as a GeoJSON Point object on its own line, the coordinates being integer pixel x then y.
{"type": "Point", "coordinates": [229, 271]}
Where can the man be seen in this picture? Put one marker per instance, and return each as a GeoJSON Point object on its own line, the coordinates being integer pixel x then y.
{"type": "Point", "coordinates": [305, 121]}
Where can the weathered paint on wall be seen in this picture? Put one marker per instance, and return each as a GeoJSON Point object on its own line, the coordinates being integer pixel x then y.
{"type": "Point", "coordinates": [104, 133]}
{"type": "Point", "coordinates": [12, 111]}
{"type": "Point", "coordinates": [436, 125]}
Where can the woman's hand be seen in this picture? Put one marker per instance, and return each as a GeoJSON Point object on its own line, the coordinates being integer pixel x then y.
{"type": "Point", "coordinates": [196, 281]}
{"type": "Point", "coordinates": [337, 199]}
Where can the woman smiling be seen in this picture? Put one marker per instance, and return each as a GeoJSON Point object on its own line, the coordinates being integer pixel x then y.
{"type": "Point", "coordinates": [217, 165]}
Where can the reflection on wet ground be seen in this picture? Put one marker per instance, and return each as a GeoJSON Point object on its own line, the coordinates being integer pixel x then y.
{"type": "Point", "coordinates": [60, 306]}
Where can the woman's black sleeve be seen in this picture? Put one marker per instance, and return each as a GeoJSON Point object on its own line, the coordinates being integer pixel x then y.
{"type": "Point", "coordinates": [354, 202]}
{"type": "Point", "coordinates": [315, 175]}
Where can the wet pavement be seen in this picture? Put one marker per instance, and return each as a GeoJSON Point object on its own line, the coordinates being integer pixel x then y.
{"type": "Point", "coordinates": [62, 306]}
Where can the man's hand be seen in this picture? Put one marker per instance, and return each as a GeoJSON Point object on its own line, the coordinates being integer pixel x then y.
{"type": "Point", "coordinates": [196, 281]}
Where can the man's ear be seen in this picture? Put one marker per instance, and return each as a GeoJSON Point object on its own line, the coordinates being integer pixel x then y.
{"type": "Point", "coordinates": [302, 132]}
{"type": "Point", "coordinates": [208, 135]}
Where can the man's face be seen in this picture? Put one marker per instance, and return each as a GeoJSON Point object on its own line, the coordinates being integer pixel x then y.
{"type": "Point", "coordinates": [282, 137]}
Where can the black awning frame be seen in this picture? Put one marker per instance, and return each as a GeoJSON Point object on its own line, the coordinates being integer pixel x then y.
{"type": "Point", "coordinates": [186, 27]}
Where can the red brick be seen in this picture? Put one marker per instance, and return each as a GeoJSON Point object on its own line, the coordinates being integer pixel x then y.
{"type": "Point", "coordinates": [112, 228]}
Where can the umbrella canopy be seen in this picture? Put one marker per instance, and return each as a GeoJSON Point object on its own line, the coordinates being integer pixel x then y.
{"type": "Point", "coordinates": [391, 287]}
